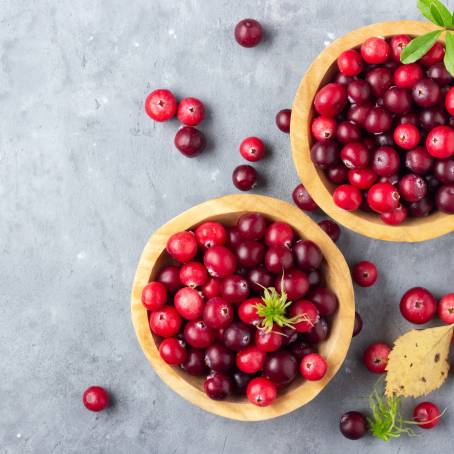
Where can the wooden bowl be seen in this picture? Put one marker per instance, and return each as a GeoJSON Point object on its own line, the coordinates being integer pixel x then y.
{"type": "Point", "coordinates": [227, 210]}
{"type": "Point", "coordinates": [320, 188]}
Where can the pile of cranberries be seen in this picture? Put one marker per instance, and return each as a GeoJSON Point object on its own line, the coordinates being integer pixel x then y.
{"type": "Point", "coordinates": [384, 131]}
{"type": "Point", "coordinates": [203, 307]}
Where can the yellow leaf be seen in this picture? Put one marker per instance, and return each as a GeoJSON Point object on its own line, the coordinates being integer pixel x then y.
{"type": "Point", "coordinates": [418, 362]}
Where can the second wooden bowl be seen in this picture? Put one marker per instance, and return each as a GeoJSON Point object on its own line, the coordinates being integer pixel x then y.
{"type": "Point", "coordinates": [337, 275]}
{"type": "Point", "coordinates": [320, 73]}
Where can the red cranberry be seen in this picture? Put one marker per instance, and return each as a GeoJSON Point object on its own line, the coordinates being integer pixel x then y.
{"type": "Point", "coordinates": [325, 301]}
{"type": "Point", "coordinates": [219, 261]}
{"type": "Point", "coordinates": [154, 295]}
{"type": "Point", "coordinates": [331, 229]}
{"type": "Point", "coordinates": [244, 177]}
{"type": "Point", "coordinates": [350, 63]}
{"type": "Point", "coordinates": [279, 234]}
{"type": "Point", "coordinates": [313, 367]}
{"type": "Point", "coordinates": [395, 217]}
{"type": "Point", "coordinates": [172, 351]}
{"type": "Point", "coordinates": [283, 118]}
{"type": "Point", "coordinates": [348, 132]}
{"type": "Point", "coordinates": [234, 237]}
{"type": "Point", "coordinates": [302, 199]}
{"type": "Point", "coordinates": [182, 246]}
{"type": "Point", "coordinates": [337, 174]}
{"type": "Point", "coordinates": [218, 386]}
{"type": "Point", "coordinates": [444, 170]}
{"type": "Point", "coordinates": [170, 277]}
{"type": "Point", "coordinates": [198, 335]}
{"type": "Point", "coordinates": [95, 398]}
{"type": "Point", "coordinates": [405, 76]}
{"type": "Point", "coordinates": [219, 358]}
{"type": "Point", "coordinates": [300, 349]}
{"type": "Point", "coordinates": [252, 226]}
{"type": "Point", "coordinates": [250, 360]}
{"type": "Point", "coordinates": [248, 33]}
{"type": "Point", "coordinates": [426, 93]}
{"type": "Point", "coordinates": [421, 208]}
{"type": "Point", "coordinates": [269, 341]}
{"type": "Point", "coordinates": [445, 309]}
{"type": "Point", "coordinates": [161, 105]}
{"type": "Point", "coordinates": [234, 289]}
{"type": "Point", "coordinates": [435, 55]}
{"type": "Point", "coordinates": [189, 303]}
{"type": "Point", "coordinates": [375, 50]}
{"type": "Point", "coordinates": [325, 154]}
{"type": "Point", "coordinates": [449, 101]}
{"type": "Point", "coordinates": [418, 305]}
{"type": "Point", "coordinates": [261, 392]}
{"type": "Point", "coordinates": [397, 100]}
{"type": "Point", "coordinates": [432, 117]}
{"type": "Point", "coordinates": [237, 336]}
{"type": "Point", "coordinates": [281, 367]}
{"type": "Point", "coordinates": [308, 313]}
{"type": "Point", "coordinates": [427, 415]}
{"type": "Point", "coordinates": [378, 120]}
{"type": "Point", "coordinates": [210, 233]}
{"type": "Point", "coordinates": [308, 255]}
{"type": "Point", "coordinates": [355, 155]}
{"type": "Point", "coordinates": [412, 187]}
{"type": "Point", "coordinates": [407, 136]}
{"type": "Point", "coordinates": [440, 142]}
{"type": "Point", "coordinates": [439, 74]}
{"type": "Point", "coordinates": [398, 43]}
{"type": "Point", "coordinates": [358, 326]}
{"type": "Point", "coordinates": [330, 100]}
{"type": "Point", "coordinates": [444, 199]}
{"type": "Point", "coordinates": [375, 357]}
{"type": "Point", "coordinates": [218, 313]}
{"type": "Point", "coordinates": [195, 362]}
{"type": "Point", "coordinates": [191, 111]}
{"type": "Point", "coordinates": [358, 114]}
{"type": "Point", "coordinates": [383, 197]}
{"type": "Point", "coordinates": [278, 259]}
{"type": "Point", "coordinates": [319, 333]}
{"type": "Point", "coordinates": [365, 273]}
{"type": "Point", "coordinates": [193, 274]}
{"type": "Point", "coordinates": [260, 277]}
{"type": "Point", "coordinates": [294, 282]}
{"type": "Point", "coordinates": [418, 161]}
{"type": "Point", "coordinates": [353, 425]}
{"type": "Point", "coordinates": [323, 128]}
{"type": "Point", "coordinates": [380, 79]}
{"type": "Point", "coordinates": [247, 311]}
{"type": "Point", "coordinates": [252, 149]}
{"type": "Point", "coordinates": [250, 253]}
{"type": "Point", "coordinates": [212, 288]}
{"type": "Point", "coordinates": [359, 92]}
{"type": "Point", "coordinates": [362, 178]}
{"type": "Point", "coordinates": [165, 322]}
{"type": "Point", "coordinates": [347, 197]}
{"type": "Point", "coordinates": [190, 141]}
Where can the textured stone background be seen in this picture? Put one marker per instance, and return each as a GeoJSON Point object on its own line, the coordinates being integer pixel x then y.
{"type": "Point", "coordinates": [85, 178]}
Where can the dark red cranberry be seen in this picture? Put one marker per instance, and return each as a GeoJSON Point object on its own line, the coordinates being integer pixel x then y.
{"type": "Point", "coordinates": [439, 74]}
{"type": "Point", "coordinates": [431, 117]}
{"type": "Point", "coordinates": [234, 289]}
{"type": "Point", "coordinates": [252, 226]}
{"type": "Point", "coordinates": [325, 154]}
{"type": "Point", "coordinates": [300, 348]}
{"type": "Point", "coordinates": [237, 336]}
{"type": "Point", "coordinates": [426, 93]}
{"type": "Point", "coordinates": [418, 161]}
{"type": "Point", "coordinates": [219, 261]}
{"type": "Point", "coordinates": [355, 155]}
{"type": "Point", "coordinates": [378, 120]}
{"type": "Point", "coordinates": [278, 259]}
{"type": "Point", "coordinates": [348, 132]}
{"type": "Point", "coordinates": [198, 335]}
{"type": "Point", "coordinates": [240, 381]}
{"type": "Point", "coordinates": [397, 100]}
{"type": "Point", "coordinates": [308, 255]}
{"type": "Point", "coordinates": [283, 118]}
{"type": "Point", "coordinates": [218, 313]}
{"type": "Point", "coordinates": [406, 76]}
{"type": "Point", "coordinates": [250, 253]}
{"type": "Point", "coordinates": [281, 367]}
{"type": "Point", "coordinates": [325, 301]}
{"type": "Point", "coordinates": [190, 141]}
{"type": "Point", "coordinates": [421, 208]}
{"type": "Point", "coordinates": [318, 333]}
{"type": "Point", "coordinates": [195, 362]}
{"type": "Point", "coordinates": [290, 335]}
{"type": "Point", "coordinates": [444, 199]}
{"type": "Point", "coordinates": [170, 277]}
{"type": "Point", "coordinates": [444, 170]}
{"type": "Point", "coordinates": [248, 33]}
{"type": "Point", "coordinates": [385, 140]}
{"type": "Point", "coordinates": [95, 398]}
{"type": "Point", "coordinates": [191, 111]}
{"type": "Point", "coordinates": [295, 284]}
{"type": "Point", "coordinates": [359, 92]}
{"type": "Point", "coordinates": [412, 187]}
{"type": "Point", "coordinates": [343, 79]}
{"type": "Point", "coordinates": [259, 277]}
{"type": "Point", "coordinates": [330, 228]}
{"type": "Point", "coordinates": [435, 55]}
{"type": "Point", "coordinates": [218, 386]}
{"type": "Point", "coordinates": [358, 326]}
{"type": "Point", "coordinates": [315, 277]}
{"type": "Point", "coordinates": [411, 118]}
{"type": "Point", "coordinates": [324, 128]}
{"type": "Point", "coordinates": [330, 100]}
{"type": "Point", "coordinates": [302, 199]}
{"type": "Point", "coordinates": [219, 358]}
{"type": "Point", "coordinates": [161, 105]}
{"type": "Point", "coordinates": [353, 425]}
{"type": "Point", "coordinates": [337, 174]}
{"type": "Point", "coordinates": [358, 114]}
{"type": "Point", "coordinates": [365, 273]}
{"type": "Point", "coordinates": [380, 79]}
{"type": "Point", "coordinates": [244, 177]}
{"type": "Point", "coordinates": [385, 161]}
{"type": "Point", "coordinates": [432, 182]}
{"type": "Point", "coordinates": [234, 237]}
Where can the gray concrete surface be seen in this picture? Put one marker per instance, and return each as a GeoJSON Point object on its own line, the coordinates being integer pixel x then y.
{"type": "Point", "coordinates": [85, 178]}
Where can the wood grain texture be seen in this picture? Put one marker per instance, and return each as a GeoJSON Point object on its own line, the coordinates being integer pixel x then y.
{"type": "Point", "coordinates": [227, 210]}
{"type": "Point", "coordinates": [320, 189]}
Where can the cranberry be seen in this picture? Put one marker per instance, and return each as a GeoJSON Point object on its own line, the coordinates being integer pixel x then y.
{"type": "Point", "coordinates": [95, 398]}
{"type": "Point", "coordinates": [330, 100]}
{"type": "Point", "coordinates": [283, 118]}
{"type": "Point", "coordinates": [444, 170]}
{"type": "Point", "coordinates": [234, 289]}
{"type": "Point", "coordinates": [358, 114]}
{"type": "Point", "coordinates": [219, 261]}
{"type": "Point", "coordinates": [182, 246]}
{"type": "Point", "coordinates": [172, 351]}
{"type": "Point", "coordinates": [252, 226]}
{"type": "Point", "coordinates": [279, 234]}
{"type": "Point", "coordinates": [325, 154]}
{"type": "Point", "coordinates": [362, 178]}
{"type": "Point", "coordinates": [237, 336]}
{"type": "Point", "coordinates": [241, 380]}
{"type": "Point", "coordinates": [353, 425]}
{"type": "Point", "coordinates": [418, 161]}
{"type": "Point", "coordinates": [234, 237]}
{"type": "Point", "coordinates": [250, 253]}
{"type": "Point", "coordinates": [319, 333]}
{"type": "Point", "coordinates": [380, 79]}
{"type": "Point", "coordinates": [383, 197]}
{"type": "Point", "coordinates": [165, 322]}
{"type": "Point", "coordinates": [406, 76]}
{"type": "Point", "coordinates": [252, 149]}
{"type": "Point", "coordinates": [219, 358]}
{"type": "Point", "coordinates": [248, 33]}
{"type": "Point", "coordinates": [411, 118]}
{"type": "Point", "coordinates": [397, 100]}
{"type": "Point", "coordinates": [193, 274]}
{"type": "Point", "coordinates": [300, 349]}
{"type": "Point", "coordinates": [210, 233]}
{"type": "Point", "coordinates": [426, 93]}
{"type": "Point", "coordinates": [378, 120]}
{"type": "Point", "coordinates": [365, 274]}
{"type": "Point", "coordinates": [418, 305]}
{"type": "Point", "coordinates": [440, 142]}
{"type": "Point", "coordinates": [323, 128]}
{"type": "Point", "coordinates": [358, 326]}
{"type": "Point", "coordinates": [218, 386]}
{"type": "Point", "coordinates": [290, 335]}
{"type": "Point", "coordinates": [189, 303]}
{"type": "Point", "coordinates": [198, 335]}
{"type": "Point", "coordinates": [359, 92]}
{"type": "Point", "coordinates": [429, 118]}
{"type": "Point", "coordinates": [294, 282]}
{"type": "Point", "coordinates": [439, 74]}
{"type": "Point", "coordinates": [347, 132]}
{"type": "Point", "coordinates": [218, 313]}
{"type": "Point", "coordinates": [212, 288]}
{"type": "Point", "coordinates": [261, 392]}
{"type": "Point", "coordinates": [444, 199]}
{"type": "Point", "coordinates": [435, 55]}
{"type": "Point", "coordinates": [313, 367]}
{"type": "Point", "coordinates": [308, 255]}
{"type": "Point", "coordinates": [278, 259]}
{"type": "Point", "coordinates": [190, 141]}
{"type": "Point", "coordinates": [421, 208]}
{"type": "Point", "coordinates": [407, 136]}
{"type": "Point", "coordinates": [170, 277]}
{"type": "Point", "coordinates": [161, 105]}
{"type": "Point", "coordinates": [325, 301]}
{"type": "Point", "coordinates": [343, 79]}
{"type": "Point", "coordinates": [395, 217]}
{"type": "Point", "coordinates": [449, 101]}
{"type": "Point", "coordinates": [260, 277]}
{"type": "Point", "coordinates": [337, 174]}
{"type": "Point", "coordinates": [281, 367]}
{"type": "Point", "coordinates": [154, 295]}
{"type": "Point", "coordinates": [269, 341]}
{"type": "Point", "coordinates": [355, 155]}
{"type": "Point", "coordinates": [331, 229]}
{"type": "Point", "coordinates": [375, 50]}
{"type": "Point", "coordinates": [191, 111]}
{"type": "Point", "coordinates": [195, 362]}
{"type": "Point", "coordinates": [347, 197]}
{"type": "Point", "coordinates": [446, 309]}
{"type": "Point", "coordinates": [247, 311]}
{"type": "Point", "coordinates": [244, 177]}
{"type": "Point", "coordinates": [308, 313]}
{"type": "Point", "coordinates": [385, 140]}
{"type": "Point", "coordinates": [350, 63]}
{"type": "Point", "coordinates": [412, 188]}
{"type": "Point", "coordinates": [375, 357]}
{"type": "Point", "coordinates": [398, 43]}
{"type": "Point", "coordinates": [432, 182]}
{"type": "Point", "coordinates": [427, 415]}
{"type": "Point", "coordinates": [302, 199]}
{"type": "Point", "coordinates": [250, 360]}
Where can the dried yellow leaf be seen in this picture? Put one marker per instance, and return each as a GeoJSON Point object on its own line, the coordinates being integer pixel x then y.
{"type": "Point", "coordinates": [418, 362]}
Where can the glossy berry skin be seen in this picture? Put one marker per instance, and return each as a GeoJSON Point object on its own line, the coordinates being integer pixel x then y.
{"type": "Point", "coordinates": [375, 357]}
{"type": "Point", "coordinates": [237, 336]}
{"type": "Point", "coordinates": [347, 132]}
{"type": "Point", "coordinates": [358, 326]}
{"type": "Point", "coordinates": [439, 74]}
{"type": "Point", "coordinates": [331, 229]}
{"type": "Point", "coordinates": [421, 208]}
{"type": "Point", "coordinates": [412, 188]}
{"type": "Point", "coordinates": [337, 174]}
{"type": "Point", "coordinates": [407, 136]}
{"type": "Point", "coordinates": [247, 311]}
{"type": "Point", "coordinates": [426, 93]}
{"type": "Point", "coordinates": [362, 178]}
{"type": "Point", "coordinates": [278, 259]}
{"type": "Point", "coordinates": [325, 154]}
{"type": "Point", "coordinates": [218, 386]}
{"type": "Point", "coordinates": [378, 121]}
{"type": "Point", "coordinates": [418, 161]}
{"type": "Point", "coordinates": [212, 288]}
{"type": "Point", "coordinates": [244, 177]}
{"type": "Point", "coordinates": [375, 50]}
{"type": "Point", "coordinates": [440, 142]}
{"type": "Point", "coordinates": [172, 351]}
{"type": "Point", "coordinates": [182, 246]}
{"type": "Point", "coordinates": [259, 277]}
{"type": "Point", "coordinates": [353, 425]}
{"type": "Point", "coordinates": [161, 105]}
{"type": "Point", "coordinates": [170, 277]}
{"type": "Point", "coordinates": [380, 79]}
{"type": "Point", "coordinates": [418, 305]}
{"type": "Point", "coordinates": [330, 100]}
{"type": "Point", "coordinates": [269, 341]}
{"type": "Point", "coordinates": [240, 381]}
{"type": "Point", "coordinates": [210, 233]}
{"type": "Point", "coordinates": [295, 283]}
{"type": "Point", "coordinates": [191, 111]}
{"type": "Point", "coordinates": [355, 155]}
{"type": "Point", "coordinates": [385, 161]}
{"type": "Point", "coordinates": [154, 295]}
{"type": "Point", "coordinates": [195, 362]}
{"type": "Point", "coordinates": [319, 333]}
{"type": "Point", "coordinates": [398, 43]}
{"type": "Point", "coordinates": [313, 367]}
{"type": "Point", "coordinates": [365, 274]}
{"type": "Point", "coordinates": [308, 255]}
{"type": "Point", "coordinates": [444, 170]}
{"type": "Point", "coordinates": [432, 117]}
{"type": "Point", "coordinates": [283, 119]}
{"type": "Point", "coordinates": [235, 288]}
{"type": "Point", "coordinates": [398, 100]}
{"type": "Point", "coordinates": [445, 309]}
{"type": "Point", "coordinates": [300, 348]}
{"type": "Point", "coordinates": [218, 313]}
{"type": "Point", "coordinates": [308, 313]}
{"type": "Point", "coordinates": [189, 303]}
{"type": "Point", "coordinates": [302, 199]}
{"type": "Point", "coordinates": [219, 261]}
{"type": "Point", "coordinates": [95, 398]}
{"type": "Point", "coordinates": [261, 391]}
{"type": "Point", "coordinates": [435, 55]}
{"type": "Point", "coordinates": [324, 128]}
{"type": "Point", "coordinates": [252, 226]}
{"type": "Point", "coordinates": [449, 101]}
{"type": "Point", "coordinates": [325, 301]}
{"type": "Point", "coordinates": [165, 322]}
{"type": "Point", "coordinates": [198, 335]}
{"type": "Point", "coordinates": [444, 199]}
{"type": "Point", "coordinates": [406, 76]}
{"type": "Point", "coordinates": [281, 367]}
{"type": "Point", "coordinates": [248, 33]}
{"type": "Point", "coordinates": [395, 217]}
{"type": "Point", "coordinates": [279, 234]}
{"type": "Point", "coordinates": [250, 360]}
{"type": "Point", "coordinates": [347, 197]}
{"type": "Point", "coordinates": [383, 197]}
{"type": "Point", "coordinates": [190, 141]}
{"type": "Point", "coordinates": [252, 149]}
{"type": "Point", "coordinates": [193, 274]}
{"type": "Point", "coordinates": [427, 415]}
{"type": "Point", "coordinates": [250, 253]}
{"type": "Point", "coordinates": [219, 358]}
{"type": "Point", "coordinates": [350, 63]}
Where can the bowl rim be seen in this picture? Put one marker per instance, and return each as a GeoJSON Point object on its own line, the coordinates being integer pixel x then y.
{"type": "Point", "coordinates": [367, 224]}
{"type": "Point", "coordinates": [337, 272]}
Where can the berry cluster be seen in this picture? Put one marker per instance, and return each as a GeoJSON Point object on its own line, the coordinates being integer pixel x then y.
{"type": "Point", "coordinates": [245, 306]}
{"type": "Point", "coordinates": [384, 131]}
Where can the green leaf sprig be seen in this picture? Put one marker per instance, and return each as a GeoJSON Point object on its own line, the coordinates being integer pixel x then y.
{"type": "Point", "coordinates": [438, 14]}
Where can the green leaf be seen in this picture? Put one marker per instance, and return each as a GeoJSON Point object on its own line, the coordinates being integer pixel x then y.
{"type": "Point", "coordinates": [440, 12]}
{"type": "Point", "coordinates": [419, 47]}
{"type": "Point", "coordinates": [449, 55]}
{"type": "Point", "coordinates": [436, 15]}
{"type": "Point", "coordinates": [424, 7]}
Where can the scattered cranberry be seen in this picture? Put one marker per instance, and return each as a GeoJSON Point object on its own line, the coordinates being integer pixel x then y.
{"type": "Point", "coordinates": [283, 118]}
{"type": "Point", "coordinates": [302, 199]}
{"type": "Point", "coordinates": [330, 228]}
{"type": "Point", "coordinates": [347, 197]}
{"type": "Point", "coordinates": [353, 425]}
{"type": "Point", "coordinates": [95, 398]}
{"type": "Point", "coordinates": [313, 367]}
{"type": "Point", "coordinates": [252, 149]}
{"type": "Point", "coordinates": [376, 357]}
{"type": "Point", "coordinates": [161, 105]}
{"type": "Point", "coordinates": [261, 391]}
{"type": "Point", "coordinates": [154, 295]}
{"type": "Point", "coordinates": [427, 415]}
{"type": "Point", "coordinates": [190, 141]}
{"type": "Point", "coordinates": [418, 305]}
{"type": "Point", "coordinates": [165, 322]}
{"type": "Point", "coordinates": [446, 309]}
{"type": "Point", "coordinates": [244, 177]}
{"type": "Point", "coordinates": [365, 273]}
{"type": "Point", "coordinates": [248, 33]}
{"type": "Point", "coordinates": [191, 111]}
{"type": "Point", "coordinates": [172, 351]}
{"type": "Point", "coordinates": [358, 326]}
